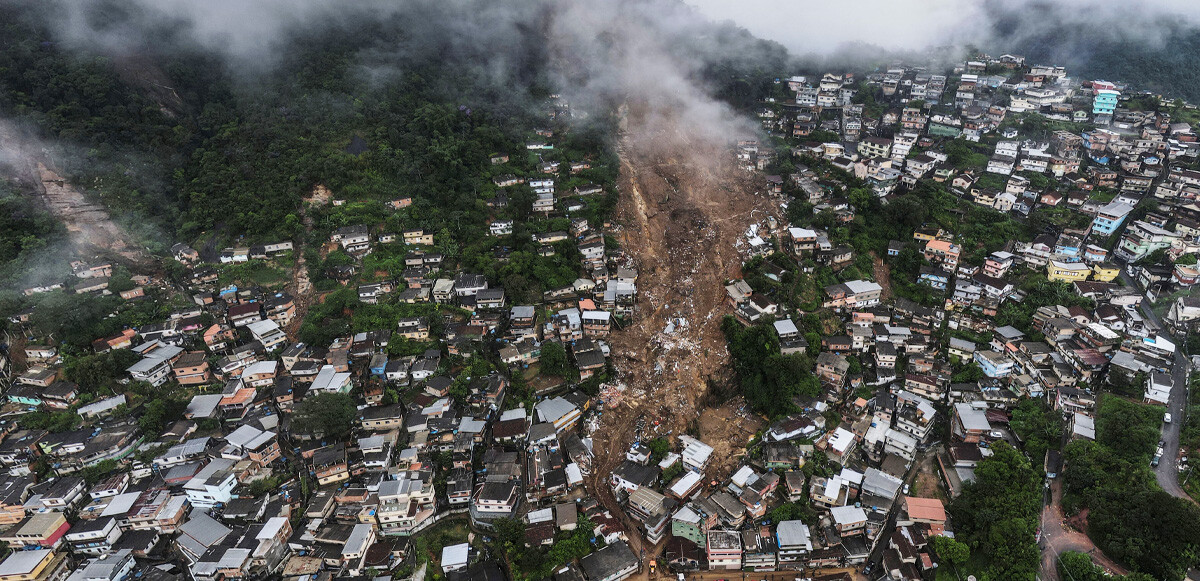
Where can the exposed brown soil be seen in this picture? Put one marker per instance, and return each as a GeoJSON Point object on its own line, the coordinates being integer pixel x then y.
{"type": "Point", "coordinates": [88, 224]}
{"type": "Point", "coordinates": [1061, 534]}
{"type": "Point", "coordinates": [300, 287]}
{"type": "Point", "coordinates": [683, 206]}
{"type": "Point", "coordinates": [883, 277]}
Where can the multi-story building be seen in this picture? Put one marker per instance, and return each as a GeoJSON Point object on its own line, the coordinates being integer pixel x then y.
{"type": "Point", "coordinates": [649, 507]}
{"type": "Point", "coordinates": [406, 503]}
{"type": "Point", "coordinates": [1110, 217]}
{"type": "Point", "coordinates": [213, 484]}
{"type": "Point", "coordinates": [795, 543]}
{"type": "Point", "coordinates": [943, 252]}
{"type": "Point", "coordinates": [724, 550]}
{"type": "Point", "coordinates": [35, 566]}
{"type": "Point", "coordinates": [993, 363]}
{"type": "Point", "coordinates": [192, 368]}
{"type": "Point", "coordinates": [1067, 271]}
{"type": "Point", "coordinates": [93, 536]}
{"type": "Point", "coordinates": [1105, 102]}
{"type": "Point", "coordinates": [855, 294]}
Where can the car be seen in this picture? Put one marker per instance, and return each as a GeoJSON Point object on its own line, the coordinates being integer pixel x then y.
{"type": "Point", "coordinates": [1166, 418]}
{"type": "Point", "coordinates": [1154, 462]}
{"type": "Point", "coordinates": [1159, 451]}
{"type": "Point", "coordinates": [1161, 443]}
{"type": "Point", "coordinates": [652, 566]}
{"type": "Point", "coordinates": [905, 489]}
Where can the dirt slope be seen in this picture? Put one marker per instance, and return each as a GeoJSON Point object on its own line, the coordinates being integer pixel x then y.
{"type": "Point", "coordinates": [684, 204]}
{"type": "Point", "coordinates": [88, 224]}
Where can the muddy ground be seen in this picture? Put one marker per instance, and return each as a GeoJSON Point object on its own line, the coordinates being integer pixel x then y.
{"type": "Point", "coordinates": [684, 205]}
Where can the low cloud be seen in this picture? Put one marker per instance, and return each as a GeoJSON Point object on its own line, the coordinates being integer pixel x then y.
{"type": "Point", "coordinates": [898, 26]}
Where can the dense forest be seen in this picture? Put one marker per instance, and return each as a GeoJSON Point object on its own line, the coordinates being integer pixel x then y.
{"type": "Point", "coordinates": [1131, 518]}
{"type": "Point", "coordinates": [1148, 51]}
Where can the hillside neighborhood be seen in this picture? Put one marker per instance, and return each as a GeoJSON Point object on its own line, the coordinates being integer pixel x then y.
{"type": "Point", "coordinates": [963, 268]}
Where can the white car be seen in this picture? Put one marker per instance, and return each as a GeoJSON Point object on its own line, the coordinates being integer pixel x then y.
{"type": "Point", "coordinates": [1167, 418]}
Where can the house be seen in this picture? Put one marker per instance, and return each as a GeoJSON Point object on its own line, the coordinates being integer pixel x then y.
{"type": "Point", "coordinates": [60, 395]}
{"type": "Point", "coordinates": [998, 264]}
{"type": "Point", "coordinates": [724, 550]}
{"type": "Point", "coordinates": [1158, 388]}
{"type": "Point", "coordinates": [106, 406]}
{"type": "Point", "coordinates": [934, 277]}
{"type": "Point", "coordinates": [943, 252]}
{"type": "Point", "coordinates": [213, 485]}
{"type": "Point", "coordinates": [614, 562]}
{"type": "Point", "coordinates": [192, 368]}
{"type": "Point", "coordinates": [93, 536]}
{"type": "Point", "coordinates": [406, 502]}
{"type": "Point", "coordinates": [848, 520]}
{"type": "Point", "coordinates": [853, 294]}
{"type": "Point", "coordinates": [330, 380]}
{"type": "Point", "coordinates": [243, 314]}
{"type": "Point", "coordinates": [970, 423]}
{"type": "Point", "coordinates": [1067, 271]}
{"type": "Point", "coordinates": [875, 147]}
{"type": "Point", "coordinates": [695, 454]}
{"type": "Point", "coordinates": [1105, 272]}
{"type": "Point", "coordinates": [43, 530]}
{"type": "Point", "coordinates": [994, 364]}
{"type": "Point", "coordinates": [558, 411]}
{"type": "Point", "coordinates": [1110, 217]}
{"type": "Point", "coordinates": [417, 237]}
{"type": "Point", "coordinates": [794, 541]}
{"type": "Point", "coordinates": [469, 285]}
{"type": "Point", "coordinates": [49, 565]}
{"type": "Point", "coordinates": [155, 368]}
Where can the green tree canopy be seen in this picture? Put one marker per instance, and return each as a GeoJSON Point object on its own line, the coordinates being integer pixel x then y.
{"type": "Point", "coordinates": [325, 415]}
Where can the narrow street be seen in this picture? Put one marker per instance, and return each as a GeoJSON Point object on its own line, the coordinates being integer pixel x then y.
{"type": "Point", "coordinates": [1167, 471]}
{"type": "Point", "coordinates": [1056, 538]}
{"type": "Point", "coordinates": [855, 573]}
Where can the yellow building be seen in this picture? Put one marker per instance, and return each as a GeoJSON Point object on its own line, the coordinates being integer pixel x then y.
{"type": "Point", "coordinates": [34, 566]}
{"type": "Point", "coordinates": [1105, 272]}
{"type": "Point", "coordinates": [1067, 271]}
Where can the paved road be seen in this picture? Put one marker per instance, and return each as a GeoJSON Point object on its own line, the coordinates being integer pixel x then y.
{"type": "Point", "coordinates": [1167, 472]}
{"type": "Point", "coordinates": [1143, 304]}
{"type": "Point", "coordinates": [855, 574]}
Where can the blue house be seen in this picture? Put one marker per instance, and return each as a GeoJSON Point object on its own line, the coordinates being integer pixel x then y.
{"type": "Point", "coordinates": [1105, 102]}
{"type": "Point", "coordinates": [379, 363]}
{"type": "Point", "coordinates": [1110, 217]}
{"type": "Point", "coordinates": [25, 395]}
{"type": "Point", "coordinates": [934, 277]}
{"type": "Point", "coordinates": [1069, 248]}
{"type": "Point", "coordinates": [994, 364]}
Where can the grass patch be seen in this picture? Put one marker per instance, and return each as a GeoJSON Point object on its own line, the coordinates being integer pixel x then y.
{"type": "Point", "coordinates": [428, 544]}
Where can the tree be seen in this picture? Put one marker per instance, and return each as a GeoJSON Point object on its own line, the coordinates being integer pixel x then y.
{"type": "Point", "coordinates": [325, 415]}
{"type": "Point", "coordinates": [951, 550]}
{"type": "Point", "coordinates": [159, 413]}
{"type": "Point", "coordinates": [93, 372]}
{"type": "Point", "coordinates": [659, 447]}
{"type": "Point", "coordinates": [997, 513]}
{"type": "Point", "coordinates": [1039, 426]}
{"type": "Point", "coordinates": [510, 537]}
{"type": "Point", "coordinates": [554, 358]}
{"type": "Point", "coordinates": [793, 511]}
{"type": "Point", "coordinates": [1077, 566]}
